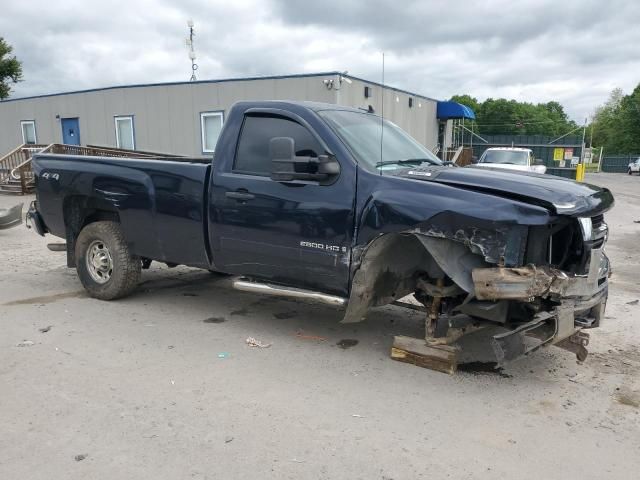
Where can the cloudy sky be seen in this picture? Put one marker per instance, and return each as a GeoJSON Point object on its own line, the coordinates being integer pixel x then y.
{"type": "Point", "coordinates": [573, 51]}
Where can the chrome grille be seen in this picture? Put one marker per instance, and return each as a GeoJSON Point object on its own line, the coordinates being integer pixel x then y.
{"type": "Point", "coordinates": [599, 230]}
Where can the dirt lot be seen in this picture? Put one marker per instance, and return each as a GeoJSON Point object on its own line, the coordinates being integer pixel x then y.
{"type": "Point", "coordinates": [162, 385]}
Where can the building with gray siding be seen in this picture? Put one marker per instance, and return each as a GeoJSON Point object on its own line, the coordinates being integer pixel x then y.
{"type": "Point", "coordinates": [185, 118]}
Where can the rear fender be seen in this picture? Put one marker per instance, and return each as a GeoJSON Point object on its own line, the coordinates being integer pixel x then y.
{"type": "Point", "coordinates": [79, 211]}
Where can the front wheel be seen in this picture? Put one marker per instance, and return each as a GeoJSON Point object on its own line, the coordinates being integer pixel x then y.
{"type": "Point", "coordinates": [105, 266]}
{"type": "Point", "coordinates": [629, 171]}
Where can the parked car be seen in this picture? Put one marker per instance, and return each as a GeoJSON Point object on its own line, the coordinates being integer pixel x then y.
{"type": "Point", "coordinates": [634, 167]}
{"type": "Point", "coordinates": [300, 200]}
{"type": "Point", "coordinates": [511, 158]}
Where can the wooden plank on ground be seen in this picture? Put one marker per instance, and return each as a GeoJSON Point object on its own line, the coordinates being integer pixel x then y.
{"type": "Point", "coordinates": [441, 358]}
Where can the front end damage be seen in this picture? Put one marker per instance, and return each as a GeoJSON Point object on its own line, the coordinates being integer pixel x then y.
{"type": "Point", "coordinates": [534, 285]}
{"type": "Point", "coordinates": [564, 304]}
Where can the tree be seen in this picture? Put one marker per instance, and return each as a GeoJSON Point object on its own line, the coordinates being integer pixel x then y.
{"type": "Point", "coordinates": [510, 117]}
{"type": "Point", "coordinates": [10, 69]}
{"type": "Point", "coordinates": [616, 124]}
{"type": "Point", "coordinates": [467, 100]}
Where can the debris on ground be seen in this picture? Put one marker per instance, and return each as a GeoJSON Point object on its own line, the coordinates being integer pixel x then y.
{"type": "Point", "coordinates": [310, 337]}
{"type": "Point", "coordinates": [215, 320]}
{"type": "Point", "coordinates": [252, 342]}
{"type": "Point", "coordinates": [636, 221]}
{"type": "Point", "coordinates": [25, 343]}
{"type": "Point", "coordinates": [82, 456]}
{"type": "Point", "coordinates": [355, 415]}
{"type": "Point", "coordinates": [228, 439]}
{"type": "Point", "coordinates": [45, 329]}
{"type": "Point", "coordinates": [347, 343]}
{"type": "Point", "coordinates": [223, 355]}
{"type": "Point", "coordinates": [629, 399]}
{"type": "Point", "coordinates": [633, 302]}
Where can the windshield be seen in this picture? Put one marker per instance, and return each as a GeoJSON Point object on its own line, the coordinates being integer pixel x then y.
{"type": "Point", "coordinates": [512, 157]}
{"type": "Point", "coordinates": [361, 133]}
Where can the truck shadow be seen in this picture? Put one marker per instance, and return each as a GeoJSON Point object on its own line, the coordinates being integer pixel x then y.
{"type": "Point", "coordinates": [283, 321]}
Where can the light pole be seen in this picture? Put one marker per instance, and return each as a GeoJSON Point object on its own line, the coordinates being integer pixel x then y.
{"type": "Point", "coordinates": [192, 52]}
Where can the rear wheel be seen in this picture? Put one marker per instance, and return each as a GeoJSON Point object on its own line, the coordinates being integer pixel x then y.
{"type": "Point", "coordinates": [105, 266]}
{"type": "Point", "coordinates": [629, 171]}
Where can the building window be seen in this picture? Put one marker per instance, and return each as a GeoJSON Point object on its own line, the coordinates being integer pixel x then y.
{"type": "Point", "coordinates": [210, 125]}
{"type": "Point", "coordinates": [125, 136]}
{"type": "Point", "coordinates": [28, 131]}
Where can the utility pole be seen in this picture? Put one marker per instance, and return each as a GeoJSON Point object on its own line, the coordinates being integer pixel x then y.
{"type": "Point", "coordinates": [192, 52]}
{"type": "Point", "coordinates": [584, 131]}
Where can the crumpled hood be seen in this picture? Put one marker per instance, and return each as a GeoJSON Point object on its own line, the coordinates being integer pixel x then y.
{"type": "Point", "coordinates": [563, 196]}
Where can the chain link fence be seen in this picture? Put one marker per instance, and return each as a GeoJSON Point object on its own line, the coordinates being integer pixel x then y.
{"type": "Point", "coordinates": [618, 163]}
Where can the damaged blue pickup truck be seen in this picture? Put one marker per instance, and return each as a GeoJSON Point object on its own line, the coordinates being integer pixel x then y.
{"type": "Point", "coordinates": [305, 200]}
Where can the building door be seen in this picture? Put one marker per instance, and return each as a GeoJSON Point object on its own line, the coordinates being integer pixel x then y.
{"type": "Point", "coordinates": [70, 131]}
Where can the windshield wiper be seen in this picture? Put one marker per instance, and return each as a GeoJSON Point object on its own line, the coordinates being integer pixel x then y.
{"type": "Point", "coordinates": [408, 161]}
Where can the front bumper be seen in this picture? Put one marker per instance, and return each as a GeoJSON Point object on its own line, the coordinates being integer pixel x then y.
{"type": "Point", "coordinates": [578, 301]}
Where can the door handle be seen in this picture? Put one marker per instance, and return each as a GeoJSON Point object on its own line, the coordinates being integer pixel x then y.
{"type": "Point", "coordinates": [240, 195]}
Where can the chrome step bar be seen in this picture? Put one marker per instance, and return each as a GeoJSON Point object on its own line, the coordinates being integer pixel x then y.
{"type": "Point", "coordinates": [247, 285]}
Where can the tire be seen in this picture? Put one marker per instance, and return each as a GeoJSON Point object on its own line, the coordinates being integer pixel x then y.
{"type": "Point", "coordinates": [106, 268]}
{"type": "Point", "coordinates": [629, 172]}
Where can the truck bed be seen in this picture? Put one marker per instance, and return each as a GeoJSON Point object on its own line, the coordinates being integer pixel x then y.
{"type": "Point", "coordinates": [160, 202]}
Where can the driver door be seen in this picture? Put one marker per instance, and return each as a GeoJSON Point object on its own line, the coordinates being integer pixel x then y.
{"type": "Point", "coordinates": [291, 233]}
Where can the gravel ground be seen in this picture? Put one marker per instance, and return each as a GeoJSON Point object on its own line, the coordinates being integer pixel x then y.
{"type": "Point", "coordinates": [162, 384]}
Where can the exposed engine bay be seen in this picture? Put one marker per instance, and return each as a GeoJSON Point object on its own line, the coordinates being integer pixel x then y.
{"type": "Point", "coordinates": [541, 284]}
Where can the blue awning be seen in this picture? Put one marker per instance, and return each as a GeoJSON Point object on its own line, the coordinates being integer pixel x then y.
{"type": "Point", "coordinates": [454, 110]}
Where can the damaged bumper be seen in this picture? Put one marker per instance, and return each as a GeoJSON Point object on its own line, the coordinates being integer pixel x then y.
{"type": "Point", "coordinates": [578, 301]}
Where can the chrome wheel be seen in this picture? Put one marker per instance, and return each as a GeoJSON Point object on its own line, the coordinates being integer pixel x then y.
{"type": "Point", "coordinates": [99, 262]}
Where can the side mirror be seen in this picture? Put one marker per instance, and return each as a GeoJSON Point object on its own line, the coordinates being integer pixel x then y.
{"type": "Point", "coordinates": [286, 166]}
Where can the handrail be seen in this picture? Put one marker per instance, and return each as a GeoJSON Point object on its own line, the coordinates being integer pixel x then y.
{"type": "Point", "coordinates": [16, 165]}
{"type": "Point", "coordinates": [15, 173]}
{"type": "Point", "coordinates": [17, 149]}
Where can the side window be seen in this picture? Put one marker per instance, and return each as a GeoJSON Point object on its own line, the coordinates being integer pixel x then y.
{"type": "Point", "coordinates": [28, 131]}
{"type": "Point", "coordinates": [252, 155]}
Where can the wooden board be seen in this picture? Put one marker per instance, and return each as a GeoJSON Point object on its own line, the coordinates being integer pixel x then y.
{"type": "Point", "coordinates": [441, 358]}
